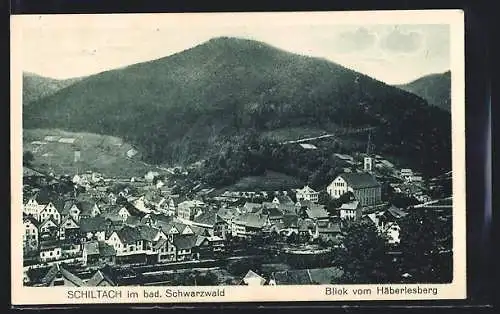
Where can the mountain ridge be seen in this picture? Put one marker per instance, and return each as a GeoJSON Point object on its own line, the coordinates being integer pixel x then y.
{"type": "Point", "coordinates": [196, 100]}
{"type": "Point", "coordinates": [435, 88]}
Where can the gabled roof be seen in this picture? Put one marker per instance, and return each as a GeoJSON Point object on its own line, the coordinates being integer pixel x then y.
{"type": "Point", "coordinates": [360, 180]}
{"type": "Point", "coordinates": [272, 212]}
{"type": "Point", "coordinates": [97, 278]}
{"type": "Point", "coordinates": [284, 199]}
{"type": "Point", "coordinates": [396, 212]}
{"type": "Point", "coordinates": [252, 275]}
{"type": "Point", "coordinates": [331, 228]}
{"type": "Point", "coordinates": [93, 224]}
{"type": "Point", "coordinates": [306, 190]}
{"type": "Point", "coordinates": [106, 250]}
{"type": "Point", "coordinates": [208, 217]}
{"type": "Point", "coordinates": [269, 205]}
{"type": "Point", "coordinates": [184, 242]}
{"type": "Point", "coordinates": [317, 212]}
{"type": "Point", "coordinates": [148, 233]}
{"type": "Point", "coordinates": [249, 206]}
{"type": "Point", "coordinates": [67, 206]}
{"type": "Point", "coordinates": [251, 220]}
{"type": "Point", "coordinates": [85, 207]}
{"type": "Point", "coordinates": [350, 205]}
{"type": "Point", "coordinates": [290, 221]}
{"type": "Point", "coordinates": [31, 219]}
{"type": "Point", "coordinates": [91, 247]}
{"type": "Point", "coordinates": [50, 220]}
{"type": "Point", "coordinates": [59, 270]}
{"type": "Point", "coordinates": [128, 234]}
{"type": "Point", "coordinates": [161, 243]}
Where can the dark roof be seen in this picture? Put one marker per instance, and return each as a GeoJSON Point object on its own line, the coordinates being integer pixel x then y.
{"type": "Point", "coordinates": [251, 220]}
{"type": "Point", "coordinates": [290, 221]}
{"type": "Point", "coordinates": [132, 221]}
{"type": "Point", "coordinates": [272, 212]}
{"type": "Point", "coordinates": [160, 243]}
{"type": "Point", "coordinates": [360, 180]}
{"type": "Point", "coordinates": [97, 278]}
{"type": "Point", "coordinates": [288, 208]}
{"type": "Point", "coordinates": [284, 199]}
{"type": "Point", "coordinates": [207, 218]}
{"type": "Point", "coordinates": [396, 212]}
{"type": "Point", "coordinates": [106, 250]}
{"type": "Point", "coordinates": [85, 207]}
{"type": "Point", "coordinates": [252, 206]}
{"type": "Point", "coordinates": [30, 219]}
{"type": "Point", "coordinates": [332, 228]}
{"type": "Point", "coordinates": [317, 212]}
{"type": "Point", "coordinates": [92, 224]}
{"type": "Point", "coordinates": [184, 242]}
{"type": "Point", "coordinates": [128, 234]}
{"type": "Point", "coordinates": [148, 233]}
{"type": "Point", "coordinates": [56, 270]}
{"type": "Point", "coordinates": [91, 247]}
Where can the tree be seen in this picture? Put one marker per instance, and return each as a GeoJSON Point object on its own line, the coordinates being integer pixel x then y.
{"type": "Point", "coordinates": [363, 254]}
{"type": "Point", "coordinates": [426, 244]}
{"type": "Point", "coordinates": [28, 158]}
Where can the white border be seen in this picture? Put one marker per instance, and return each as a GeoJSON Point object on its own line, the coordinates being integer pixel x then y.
{"type": "Point", "coordinates": [456, 290]}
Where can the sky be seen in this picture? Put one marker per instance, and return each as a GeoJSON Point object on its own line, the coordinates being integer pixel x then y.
{"type": "Point", "coordinates": [66, 46]}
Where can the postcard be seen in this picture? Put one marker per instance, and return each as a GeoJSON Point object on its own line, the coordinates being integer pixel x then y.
{"type": "Point", "coordinates": [238, 157]}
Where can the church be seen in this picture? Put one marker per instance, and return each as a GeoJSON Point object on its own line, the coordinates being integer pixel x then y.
{"type": "Point", "coordinates": [366, 189]}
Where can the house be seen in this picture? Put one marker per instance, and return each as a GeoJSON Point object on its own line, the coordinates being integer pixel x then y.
{"type": "Point", "coordinates": [57, 275]}
{"type": "Point", "coordinates": [306, 193]}
{"type": "Point", "coordinates": [34, 207]}
{"type": "Point", "coordinates": [351, 210]}
{"type": "Point", "coordinates": [209, 246]}
{"type": "Point", "coordinates": [184, 246]}
{"type": "Point", "coordinates": [30, 236]}
{"type": "Point", "coordinates": [274, 214]}
{"type": "Point", "coordinates": [253, 279]}
{"type": "Point", "coordinates": [69, 229]}
{"type": "Point", "coordinates": [406, 174]}
{"type": "Point", "coordinates": [126, 241]}
{"type": "Point", "coordinates": [248, 225]}
{"type": "Point", "coordinates": [317, 276]}
{"type": "Point", "coordinates": [366, 189]}
{"type": "Point", "coordinates": [93, 228]}
{"type": "Point", "coordinates": [165, 250]}
{"type": "Point", "coordinates": [71, 209]}
{"type": "Point", "coordinates": [88, 209]}
{"type": "Point", "coordinates": [250, 207]}
{"type": "Point", "coordinates": [317, 213]}
{"type": "Point", "coordinates": [48, 230]}
{"type": "Point", "coordinates": [151, 175]}
{"type": "Point", "coordinates": [112, 198]}
{"type": "Point", "coordinates": [51, 212]}
{"type": "Point", "coordinates": [308, 230]}
{"type": "Point", "coordinates": [50, 251]}
{"type": "Point", "coordinates": [98, 252]}
{"type": "Point", "coordinates": [187, 210]}
{"type": "Point", "coordinates": [283, 200]}
{"type": "Point", "coordinates": [329, 231]}
{"type": "Point", "coordinates": [100, 279]}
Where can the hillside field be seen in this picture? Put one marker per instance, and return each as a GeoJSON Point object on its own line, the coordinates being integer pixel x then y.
{"type": "Point", "coordinates": [100, 153]}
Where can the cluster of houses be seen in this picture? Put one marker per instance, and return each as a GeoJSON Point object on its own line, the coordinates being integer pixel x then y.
{"type": "Point", "coordinates": [150, 226]}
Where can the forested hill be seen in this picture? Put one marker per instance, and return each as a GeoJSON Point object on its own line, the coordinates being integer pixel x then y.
{"type": "Point", "coordinates": [185, 106]}
{"type": "Point", "coordinates": [36, 87]}
{"type": "Point", "coordinates": [435, 88]}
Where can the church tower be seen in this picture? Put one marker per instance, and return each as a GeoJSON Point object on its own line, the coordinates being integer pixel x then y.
{"type": "Point", "coordinates": [368, 160]}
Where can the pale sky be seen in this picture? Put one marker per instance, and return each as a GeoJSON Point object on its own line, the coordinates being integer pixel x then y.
{"type": "Point", "coordinates": [67, 46]}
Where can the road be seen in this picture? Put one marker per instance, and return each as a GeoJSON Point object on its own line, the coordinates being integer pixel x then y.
{"type": "Point", "coordinates": [307, 139]}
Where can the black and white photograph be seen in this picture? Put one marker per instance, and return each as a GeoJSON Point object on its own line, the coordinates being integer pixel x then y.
{"type": "Point", "coordinates": [226, 150]}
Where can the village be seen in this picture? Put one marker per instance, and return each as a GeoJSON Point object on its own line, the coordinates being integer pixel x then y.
{"type": "Point", "coordinates": [86, 229]}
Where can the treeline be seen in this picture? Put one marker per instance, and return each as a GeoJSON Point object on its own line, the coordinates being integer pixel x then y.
{"type": "Point", "coordinates": [252, 155]}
